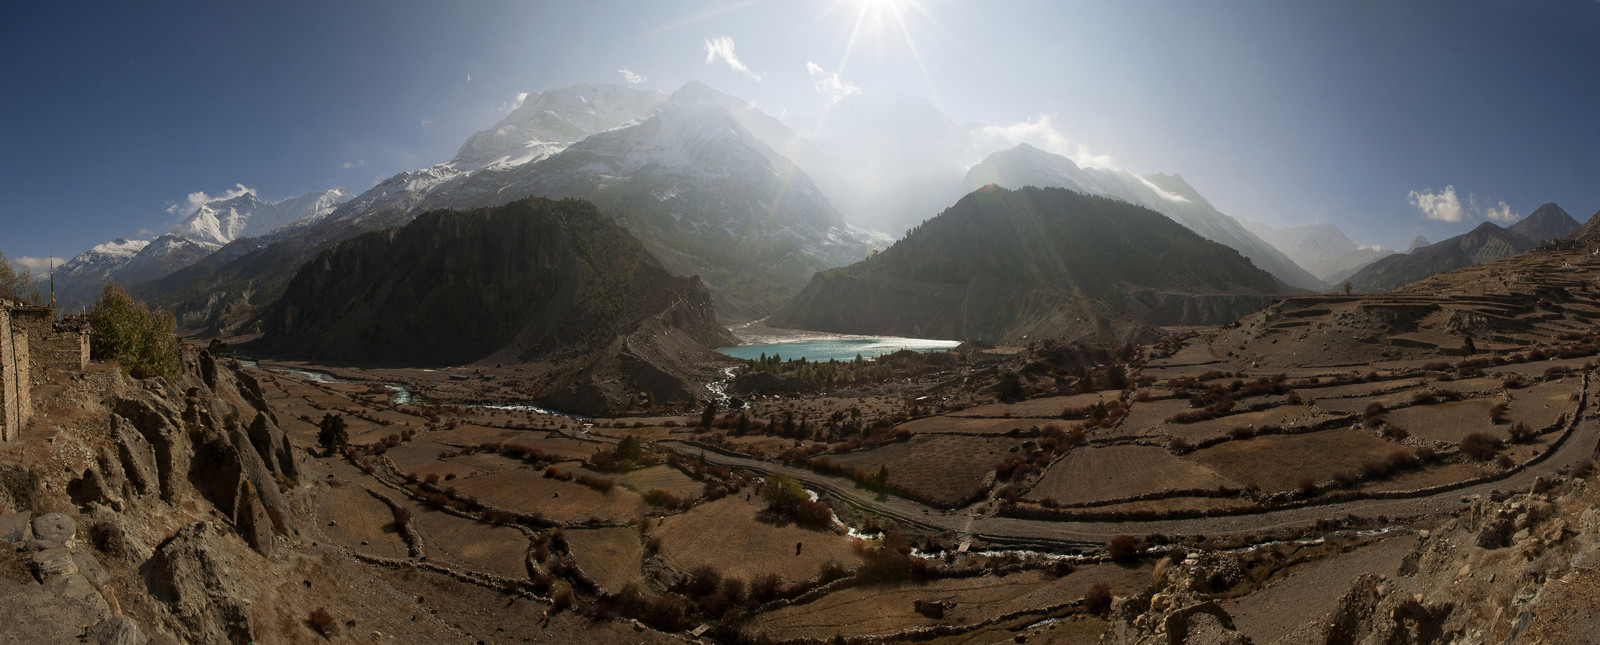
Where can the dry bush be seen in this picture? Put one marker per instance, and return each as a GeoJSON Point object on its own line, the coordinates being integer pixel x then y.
{"type": "Point", "coordinates": [1097, 600]}
{"type": "Point", "coordinates": [1497, 413]}
{"type": "Point", "coordinates": [323, 622]}
{"type": "Point", "coordinates": [766, 588]}
{"type": "Point", "coordinates": [1521, 433]}
{"type": "Point", "coordinates": [1123, 549]}
{"type": "Point", "coordinates": [1373, 409]}
{"type": "Point", "coordinates": [402, 516]}
{"type": "Point", "coordinates": [108, 538]}
{"type": "Point", "coordinates": [1479, 446]}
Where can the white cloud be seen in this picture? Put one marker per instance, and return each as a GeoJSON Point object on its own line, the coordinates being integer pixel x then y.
{"type": "Point", "coordinates": [354, 164]}
{"type": "Point", "coordinates": [469, 78]}
{"type": "Point", "coordinates": [830, 84]}
{"type": "Point", "coordinates": [635, 79]}
{"type": "Point", "coordinates": [516, 102]}
{"type": "Point", "coordinates": [722, 47]}
{"type": "Point", "coordinates": [1443, 206]}
{"type": "Point", "coordinates": [1500, 212]}
{"type": "Point", "coordinates": [39, 266]}
{"type": "Point", "coordinates": [195, 200]}
{"type": "Point", "coordinates": [426, 123]}
{"type": "Point", "coordinates": [1040, 133]}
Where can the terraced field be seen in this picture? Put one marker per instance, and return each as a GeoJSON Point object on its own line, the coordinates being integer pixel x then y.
{"type": "Point", "coordinates": [1276, 463]}
{"type": "Point", "coordinates": [942, 470]}
{"type": "Point", "coordinates": [1110, 473]}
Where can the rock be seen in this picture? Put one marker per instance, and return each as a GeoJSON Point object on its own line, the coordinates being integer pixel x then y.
{"type": "Point", "coordinates": [932, 608]}
{"type": "Point", "coordinates": [200, 586]}
{"type": "Point", "coordinates": [53, 564]}
{"type": "Point", "coordinates": [54, 528]}
{"type": "Point", "coordinates": [1495, 533]}
{"type": "Point", "coordinates": [116, 630]}
{"type": "Point", "coordinates": [273, 447]}
{"type": "Point", "coordinates": [1520, 536]}
{"type": "Point", "coordinates": [16, 527]}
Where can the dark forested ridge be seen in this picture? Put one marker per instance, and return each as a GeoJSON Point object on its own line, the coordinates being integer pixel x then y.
{"type": "Point", "coordinates": [1002, 263]}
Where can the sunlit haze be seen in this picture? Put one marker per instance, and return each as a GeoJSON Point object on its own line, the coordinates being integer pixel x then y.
{"type": "Point", "coordinates": [1387, 119]}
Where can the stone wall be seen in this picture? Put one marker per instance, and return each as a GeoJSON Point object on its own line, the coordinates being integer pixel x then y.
{"type": "Point", "coordinates": [16, 384]}
{"type": "Point", "coordinates": [53, 344]}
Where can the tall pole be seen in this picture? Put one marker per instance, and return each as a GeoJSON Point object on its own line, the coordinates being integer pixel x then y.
{"type": "Point", "coordinates": [52, 282]}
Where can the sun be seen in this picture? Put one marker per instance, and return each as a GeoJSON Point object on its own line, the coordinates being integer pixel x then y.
{"type": "Point", "coordinates": [880, 21]}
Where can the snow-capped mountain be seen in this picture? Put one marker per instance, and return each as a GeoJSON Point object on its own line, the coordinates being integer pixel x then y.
{"type": "Point", "coordinates": [100, 261]}
{"type": "Point", "coordinates": [1321, 248]}
{"type": "Point", "coordinates": [1169, 195]}
{"type": "Point", "coordinates": [225, 220]}
{"type": "Point", "coordinates": [163, 255]}
{"type": "Point", "coordinates": [545, 123]}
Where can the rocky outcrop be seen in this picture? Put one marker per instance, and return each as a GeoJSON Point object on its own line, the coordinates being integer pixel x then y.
{"type": "Point", "coordinates": [199, 583]}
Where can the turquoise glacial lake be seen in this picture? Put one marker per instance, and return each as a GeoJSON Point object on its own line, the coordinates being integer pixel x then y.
{"type": "Point", "coordinates": [843, 349]}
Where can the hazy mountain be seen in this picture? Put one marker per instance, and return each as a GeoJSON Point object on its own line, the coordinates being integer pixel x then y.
{"type": "Point", "coordinates": [700, 189]}
{"type": "Point", "coordinates": [1547, 222]}
{"type": "Point", "coordinates": [534, 279]}
{"type": "Point", "coordinates": [1169, 195]}
{"type": "Point", "coordinates": [1002, 265]}
{"type": "Point", "coordinates": [1417, 243]}
{"type": "Point", "coordinates": [1485, 243]}
{"type": "Point", "coordinates": [1320, 248]}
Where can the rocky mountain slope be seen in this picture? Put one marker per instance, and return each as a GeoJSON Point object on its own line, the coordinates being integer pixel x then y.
{"type": "Point", "coordinates": [222, 221]}
{"type": "Point", "coordinates": [1003, 265]}
{"type": "Point", "coordinates": [1547, 222]}
{"type": "Point", "coordinates": [1485, 243]}
{"type": "Point", "coordinates": [534, 280]}
{"type": "Point", "coordinates": [1169, 195]}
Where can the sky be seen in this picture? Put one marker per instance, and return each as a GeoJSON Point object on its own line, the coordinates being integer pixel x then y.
{"type": "Point", "coordinates": [1390, 119]}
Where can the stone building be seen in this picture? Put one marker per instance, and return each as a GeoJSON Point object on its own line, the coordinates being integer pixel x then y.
{"type": "Point", "coordinates": [32, 344]}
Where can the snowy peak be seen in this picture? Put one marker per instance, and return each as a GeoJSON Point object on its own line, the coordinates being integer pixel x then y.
{"type": "Point", "coordinates": [224, 220]}
{"type": "Point", "coordinates": [549, 121]}
{"type": "Point", "coordinates": [101, 260]}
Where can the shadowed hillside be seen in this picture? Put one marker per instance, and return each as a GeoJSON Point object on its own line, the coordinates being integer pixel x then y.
{"type": "Point", "coordinates": [1004, 264]}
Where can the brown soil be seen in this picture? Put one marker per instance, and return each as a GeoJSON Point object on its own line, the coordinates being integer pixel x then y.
{"type": "Point", "coordinates": [1104, 474]}
{"type": "Point", "coordinates": [732, 536]}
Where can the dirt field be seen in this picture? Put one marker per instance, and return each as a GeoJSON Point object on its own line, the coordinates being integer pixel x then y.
{"type": "Point", "coordinates": [499, 550]}
{"type": "Point", "coordinates": [1045, 408]}
{"type": "Point", "coordinates": [554, 444]}
{"type": "Point", "coordinates": [1357, 389]}
{"type": "Point", "coordinates": [1090, 475]}
{"type": "Point", "coordinates": [1540, 405]}
{"type": "Point", "coordinates": [943, 470]}
{"type": "Point", "coordinates": [874, 610]}
{"type": "Point", "coordinates": [1150, 414]}
{"type": "Point", "coordinates": [525, 491]}
{"type": "Point", "coordinates": [957, 425]}
{"type": "Point", "coordinates": [612, 557]}
{"type": "Point", "coordinates": [1287, 416]}
{"type": "Point", "coordinates": [360, 522]}
{"type": "Point", "coordinates": [1449, 422]}
{"type": "Point", "coordinates": [665, 478]}
{"type": "Point", "coordinates": [1278, 462]}
{"type": "Point", "coordinates": [706, 534]}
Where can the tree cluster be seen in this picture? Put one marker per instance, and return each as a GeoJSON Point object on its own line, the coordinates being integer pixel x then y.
{"type": "Point", "coordinates": [139, 340]}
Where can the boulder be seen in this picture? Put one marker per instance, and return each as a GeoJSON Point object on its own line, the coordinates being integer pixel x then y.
{"type": "Point", "coordinates": [116, 630]}
{"type": "Point", "coordinates": [200, 586]}
{"type": "Point", "coordinates": [55, 528]}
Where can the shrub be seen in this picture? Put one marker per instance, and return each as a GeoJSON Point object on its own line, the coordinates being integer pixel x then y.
{"type": "Point", "coordinates": [1097, 600]}
{"type": "Point", "coordinates": [1479, 446]}
{"type": "Point", "coordinates": [1521, 433]}
{"type": "Point", "coordinates": [704, 580]}
{"type": "Point", "coordinates": [402, 516]}
{"type": "Point", "coordinates": [1497, 414]}
{"type": "Point", "coordinates": [127, 332]}
{"type": "Point", "coordinates": [766, 588]}
{"type": "Point", "coordinates": [332, 432]}
{"type": "Point", "coordinates": [1373, 409]}
{"type": "Point", "coordinates": [1123, 549]}
{"type": "Point", "coordinates": [816, 515]}
{"type": "Point", "coordinates": [322, 622]}
{"type": "Point", "coordinates": [108, 538]}
{"type": "Point", "coordinates": [782, 491]}
{"type": "Point", "coordinates": [1177, 445]}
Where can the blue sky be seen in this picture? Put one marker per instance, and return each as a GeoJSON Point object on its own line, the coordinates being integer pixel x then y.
{"type": "Point", "coordinates": [1356, 113]}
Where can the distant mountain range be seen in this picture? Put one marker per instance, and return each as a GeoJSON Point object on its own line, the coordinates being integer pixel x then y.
{"type": "Point", "coordinates": [1486, 243]}
{"type": "Point", "coordinates": [205, 230]}
{"type": "Point", "coordinates": [534, 279]}
{"type": "Point", "coordinates": [1321, 248]}
{"type": "Point", "coordinates": [1007, 265]}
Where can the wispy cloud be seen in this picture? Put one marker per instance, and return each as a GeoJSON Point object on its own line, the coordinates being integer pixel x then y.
{"type": "Point", "coordinates": [426, 123]}
{"type": "Point", "coordinates": [831, 85]}
{"type": "Point", "coordinates": [514, 103]}
{"type": "Point", "coordinates": [630, 77]}
{"type": "Point", "coordinates": [197, 199]}
{"type": "Point", "coordinates": [722, 47]}
{"type": "Point", "coordinates": [1447, 206]}
{"type": "Point", "coordinates": [1443, 206]}
{"type": "Point", "coordinates": [354, 164]}
{"type": "Point", "coordinates": [39, 266]}
{"type": "Point", "coordinates": [469, 78]}
{"type": "Point", "coordinates": [1041, 133]}
{"type": "Point", "coordinates": [1500, 211]}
